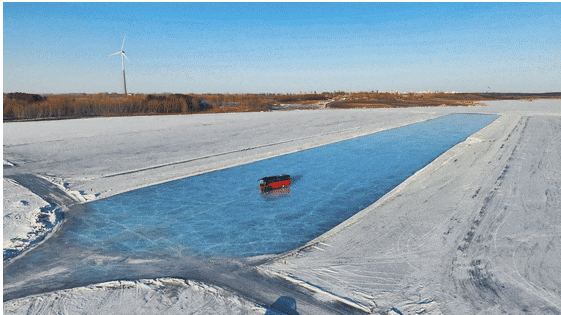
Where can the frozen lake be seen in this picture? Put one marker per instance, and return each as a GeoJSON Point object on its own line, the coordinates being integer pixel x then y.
{"type": "Point", "coordinates": [223, 213]}
{"type": "Point", "coordinates": [455, 237]}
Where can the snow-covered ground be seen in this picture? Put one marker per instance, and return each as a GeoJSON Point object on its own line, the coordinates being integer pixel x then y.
{"type": "Point", "coordinates": [476, 231]}
{"type": "Point", "coordinates": [24, 221]}
{"type": "Point", "coordinates": [157, 296]}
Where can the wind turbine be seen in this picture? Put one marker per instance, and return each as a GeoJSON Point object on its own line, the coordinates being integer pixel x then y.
{"type": "Point", "coordinates": [123, 56]}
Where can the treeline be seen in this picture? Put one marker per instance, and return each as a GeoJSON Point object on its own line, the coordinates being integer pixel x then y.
{"type": "Point", "coordinates": [23, 106]}
{"type": "Point", "coordinates": [290, 98]}
{"type": "Point", "coordinates": [395, 99]}
{"type": "Point", "coordinates": [235, 102]}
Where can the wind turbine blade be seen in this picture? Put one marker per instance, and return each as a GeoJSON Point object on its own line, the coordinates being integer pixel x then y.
{"type": "Point", "coordinates": [123, 45]}
{"type": "Point", "coordinates": [126, 57]}
{"type": "Point", "coordinates": [114, 54]}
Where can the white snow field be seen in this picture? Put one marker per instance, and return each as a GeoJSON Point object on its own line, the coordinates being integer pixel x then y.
{"type": "Point", "coordinates": [22, 211]}
{"type": "Point", "coordinates": [477, 231]}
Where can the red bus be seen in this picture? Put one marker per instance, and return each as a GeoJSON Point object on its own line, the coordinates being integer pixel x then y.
{"type": "Point", "coordinates": [274, 182]}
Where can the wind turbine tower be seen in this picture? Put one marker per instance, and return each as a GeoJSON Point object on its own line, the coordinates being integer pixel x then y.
{"type": "Point", "coordinates": [123, 56]}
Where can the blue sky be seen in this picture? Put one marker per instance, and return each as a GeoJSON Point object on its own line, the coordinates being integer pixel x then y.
{"type": "Point", "coordinates": [282, 47]}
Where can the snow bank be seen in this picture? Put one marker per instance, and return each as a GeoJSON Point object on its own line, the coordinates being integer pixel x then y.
{"type": "Point", "coordinates": [27, 217]}
{"type": "Point", "coordinates": [158, 296]}
{"type": "Point", "coordinates": [79, 196]}
{"type": "Point", "coordinates": [7, 163]}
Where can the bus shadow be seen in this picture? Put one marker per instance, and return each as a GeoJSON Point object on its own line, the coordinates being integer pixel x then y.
{"type": "Point", "coordinates": [284, 305]}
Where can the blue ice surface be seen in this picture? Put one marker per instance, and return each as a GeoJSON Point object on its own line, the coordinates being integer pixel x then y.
{"type": "Point", "coordinates": [223, 213]}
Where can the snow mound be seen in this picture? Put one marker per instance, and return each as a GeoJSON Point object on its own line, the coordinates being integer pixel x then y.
{"type": "Point", "coordinates": [156, 296]}
{"type": "Point", "coordinates": [78, 195]}
{"type": "Point", "coordinates": [7, 163]}
{"type": "Point", "coordinates": [27, 218]}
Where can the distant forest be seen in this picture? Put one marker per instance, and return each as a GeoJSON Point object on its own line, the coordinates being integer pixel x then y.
{"type": "Point", "coordinates": [24, 106]}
